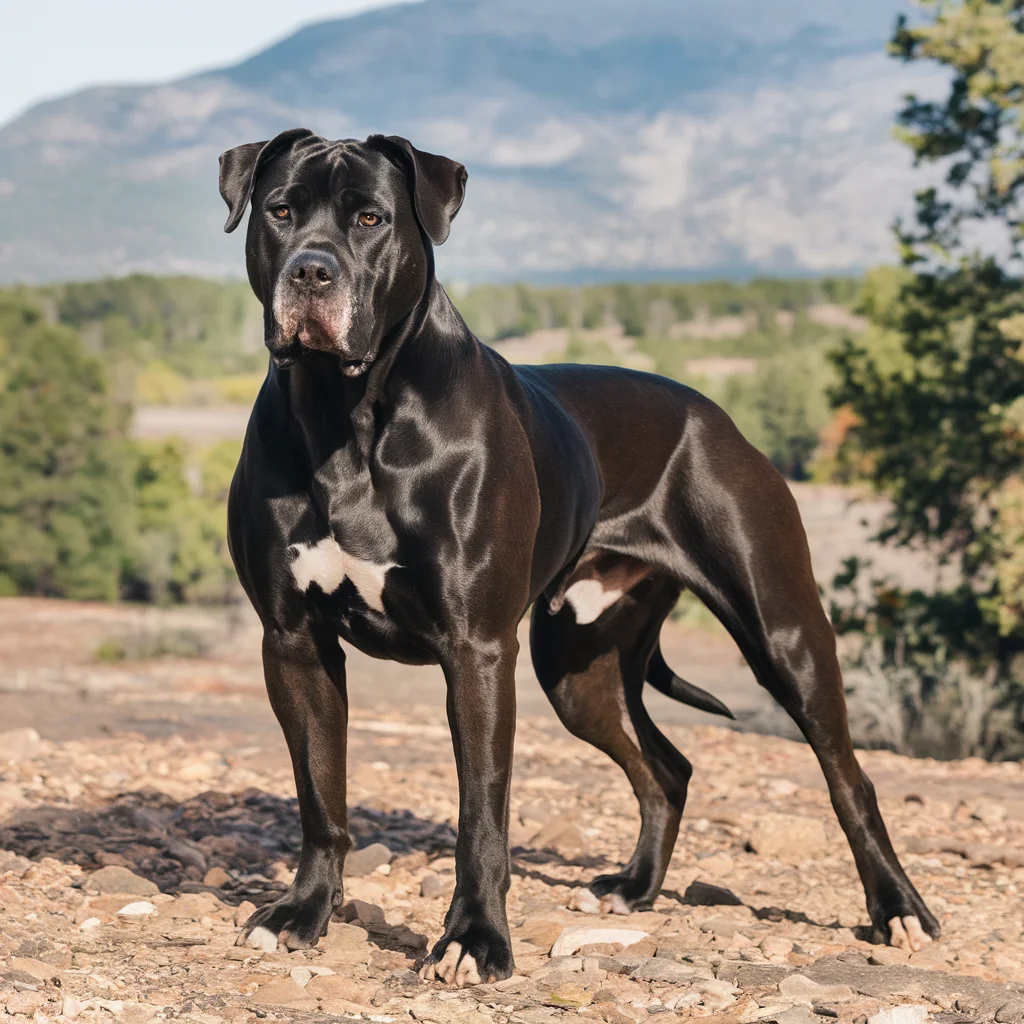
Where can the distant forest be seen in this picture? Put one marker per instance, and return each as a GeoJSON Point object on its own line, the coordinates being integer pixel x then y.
{"type": "Point", "coordinates": [86, 511]}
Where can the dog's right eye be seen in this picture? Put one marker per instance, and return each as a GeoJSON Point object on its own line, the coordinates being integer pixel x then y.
{"type": "Point", "coordinates": [281, 212]}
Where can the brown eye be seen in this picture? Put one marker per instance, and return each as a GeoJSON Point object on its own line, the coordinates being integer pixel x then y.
{"type": "Point", "coordinates": [282, 212]}
{"type": "Point", "coordinates": [369, 220]}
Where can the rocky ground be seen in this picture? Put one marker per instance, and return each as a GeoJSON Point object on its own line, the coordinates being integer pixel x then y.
{"type": "Point", "coordinates": [129, 856]}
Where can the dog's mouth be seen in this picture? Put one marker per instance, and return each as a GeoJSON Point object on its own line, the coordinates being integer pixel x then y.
{"type": "Point", "coordinates": [355, 367]}
{"type": "Point", "coordinates": [287, 355]}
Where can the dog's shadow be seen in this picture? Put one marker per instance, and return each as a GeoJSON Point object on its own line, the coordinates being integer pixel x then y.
{"type": "Point", "coordinates": [250, 835]}
{"type": "Point", "coordinates": [175, 843]}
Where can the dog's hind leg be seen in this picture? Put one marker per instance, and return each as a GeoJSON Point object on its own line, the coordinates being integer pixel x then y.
{"type": "Point", "coordinates": [594, 674]}
{"type": "Point", "coordinates": [746, 557]}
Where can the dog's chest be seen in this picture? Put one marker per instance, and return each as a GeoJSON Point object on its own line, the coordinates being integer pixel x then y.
{"type": "Point", "coordinates": [329, 566]}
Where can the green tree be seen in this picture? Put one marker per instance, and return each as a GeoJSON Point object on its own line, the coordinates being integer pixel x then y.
{"type": "Point", "coordinates": [937, 386]}
{"type": "Point", "coordinates": [179, 552]}
{"type": "Point", "coordinates": [65, 495]}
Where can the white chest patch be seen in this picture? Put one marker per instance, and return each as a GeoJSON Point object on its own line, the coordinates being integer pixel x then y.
{"type": "Point", "coordinates": [588, 599]}
{"type": "Point", "coordinates": [326, 564]}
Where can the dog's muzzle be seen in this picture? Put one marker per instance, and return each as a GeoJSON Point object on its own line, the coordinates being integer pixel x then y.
{"type": "Point", "coordinates": [314, 313]}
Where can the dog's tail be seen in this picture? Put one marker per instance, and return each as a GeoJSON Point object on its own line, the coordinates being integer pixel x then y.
{"type": "Point", "coordinates": [663, 679]}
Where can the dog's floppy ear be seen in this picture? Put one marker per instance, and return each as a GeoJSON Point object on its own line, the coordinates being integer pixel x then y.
{"type": "Point", "coordinates": [239, 167]}
{"type": "Point", "coordinates": [438, 184]}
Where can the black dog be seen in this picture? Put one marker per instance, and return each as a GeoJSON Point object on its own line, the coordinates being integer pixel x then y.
{"type": "Point", "coordinates": [405, 489]}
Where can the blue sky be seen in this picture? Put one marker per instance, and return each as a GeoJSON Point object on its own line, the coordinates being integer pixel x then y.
{"type": "Point", "coordinates": [61, 45]}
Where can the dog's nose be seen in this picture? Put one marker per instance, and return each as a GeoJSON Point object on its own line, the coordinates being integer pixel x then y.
{"type": "Point", "coordinates": [312, 269]}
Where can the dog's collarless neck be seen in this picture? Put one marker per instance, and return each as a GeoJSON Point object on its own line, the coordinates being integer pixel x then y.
{"type": "Point", "coordinates": [420, 357]}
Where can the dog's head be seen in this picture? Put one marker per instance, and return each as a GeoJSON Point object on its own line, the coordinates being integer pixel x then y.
{"type": "Point", "coordinates": [339, 242]}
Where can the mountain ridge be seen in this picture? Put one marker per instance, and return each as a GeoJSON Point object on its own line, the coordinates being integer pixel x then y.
{"type": "Point", "coordinates": [634, 138]}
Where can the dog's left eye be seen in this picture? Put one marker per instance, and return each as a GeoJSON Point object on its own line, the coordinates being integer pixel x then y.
{"type": "Point", "coordinates": [369, 220]}
{"type": "Point", "coordinates": [281, 212]}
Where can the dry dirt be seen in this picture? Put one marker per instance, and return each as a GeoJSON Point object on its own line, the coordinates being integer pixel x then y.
{"type": "Point", "coordinates": [174, 771]}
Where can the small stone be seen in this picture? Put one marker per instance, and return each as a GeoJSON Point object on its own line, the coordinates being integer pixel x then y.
{"type": "Point", "coordinates": [344, 936]}
{"type": "Point", "coordinates": [799, 986]}
{"type": "Point", "coordinates": [788, 837]}
{"type": "Point", "coordinates": [24, 1002]}
{"type": "Point", "coordinates": [337, 987]}
{"type": "Point", "coordinates": [301, 976]}
{"type": "Point", "coordinates": [89, 923]}
{"type": "Point", "coordinates": [885, 956]}
{"type": "Point", "coordinates": [19, 744]}
{"type": "Point", "coordinates": [912, 1014]}
{"type": "Point", "coordinates": [796, 1015]}
{"type": "Point", "coordinates": [284, 992]}
{"type": "Point", "coordinates": [70, 1007]}
{"type": "Point", "coordinates": [107, 859]}
{"type": "Point", "coordinates": [243, 912]}
{"type": "Point", "coordinates": [37, 969]}
{"type": "Point", "coordinates": [431, 887]}
{"type": "Point", "coordinates": [776, 945]}
{"type": "Point", "coordinates": [193, 906]}
{"type": "Point", "coordinates": [570, 994]}
{"type": "Point", "coordinates": [1011, 1012]}
{"type": "Point", "coordinates": [703, 894]}
{"type": "Point", "coordinates": [541, 929]}
{"type": "Point", "coordinates": [660, 969]}
{"type": "Point", "coordinates": [216, 878]}
{"type": "Point", "coordinates": [115, 879]}
{"type": "Point", "coordinates": [367, 915]}
{"type": "Point", "coordinates": [140, 908]}
{"type": "Point", "coordinates": [364, 861]}
{"type": "Point", "coordinates": [989, 813]}
{"type": "Point", "coordinates": [572, 939]}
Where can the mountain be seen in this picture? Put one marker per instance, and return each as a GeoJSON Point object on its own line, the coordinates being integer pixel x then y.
{"type": "Point", "coordinates": [603, 138]}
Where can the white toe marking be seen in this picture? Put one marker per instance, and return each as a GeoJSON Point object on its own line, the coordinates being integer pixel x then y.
{"type": "Point", "coordinates": [897, 934]}
{"type": "Point", "coordinates": [589, 599]}
{"type": "Point", "coordinates": [262, 938]}
{"type": "Point", "coordinates": [613, 903]}
{"type": "Point", "coordinates": [467, 974]}
{"type": "Point", "coordinates": [918, 937]}
{"type": "Point", "coordinates": [584, 901]}
{"type": "Point", "coordinates": [449, 964]}
{"type": "Point", "coordinates": [326, 564]}
{"type": "Point", "coordinates": [907, 933]}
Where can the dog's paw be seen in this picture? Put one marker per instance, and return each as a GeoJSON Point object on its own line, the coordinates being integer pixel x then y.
{"type": "Point", "coordinates": [290, 923]}
{"type": "Point", "coordinates": [907, 933]}
{"type": "Point", "coordinates": [905, 922]}
{"type": "Point", "coordinates": [620, 893]}
{"type": "Point", "coordinates": [479, 956]}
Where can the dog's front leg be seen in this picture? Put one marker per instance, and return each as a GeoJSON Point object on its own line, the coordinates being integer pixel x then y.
{"type": "Point", "coordinates": [475, 946]}
{"type": "Point", "coordinates": [305, 676]}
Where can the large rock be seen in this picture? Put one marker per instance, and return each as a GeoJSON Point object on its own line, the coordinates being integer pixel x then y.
{"type": "Point", "coordinates": [114, 879]}
{"type": "Point", "coordinates": [788, 837]}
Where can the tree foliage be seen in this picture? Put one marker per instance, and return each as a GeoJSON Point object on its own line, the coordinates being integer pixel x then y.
{"type": "Point", "coordinates": [64, 466]}
{"type": "Point", "coordinates": [936, 387]}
